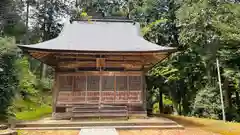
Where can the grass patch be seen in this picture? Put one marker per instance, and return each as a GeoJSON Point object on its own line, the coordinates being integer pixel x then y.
{"type": "Point", "coordinates": [35, 114]}
{"type": "Point", "coordinates": [217, 126]}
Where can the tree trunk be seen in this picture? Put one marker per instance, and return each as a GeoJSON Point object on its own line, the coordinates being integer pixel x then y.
{"type": "Point", "coordinates": [227, 100]}
{"type": "Point", "coordinates": [175, 108]}
{"type": "Point", "coordinates": [160, 101]}
{"type": "Point", "coordinates": [237, 99]}
{"type": "Point", "coordinates": [179, 108]}
{"type": "Point", "coordinates": [227, 94]}
{"type": "Point", "coordinates": [43, 71]}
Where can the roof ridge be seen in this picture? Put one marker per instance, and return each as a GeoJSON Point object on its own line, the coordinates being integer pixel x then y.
{"type": "Point", "coordinates": [104, 20]}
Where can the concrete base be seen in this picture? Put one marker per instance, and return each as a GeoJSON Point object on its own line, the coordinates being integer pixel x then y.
{"type": "Point", "coordinates": [68, 116]}
{"type": "Point", "coordinates": [62, 116]}
{"type": "Point", "coordinates": [146, 123]}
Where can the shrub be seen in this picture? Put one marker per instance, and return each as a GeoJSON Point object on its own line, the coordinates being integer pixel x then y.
{"type": "Point", "coordinates": [207, 103]}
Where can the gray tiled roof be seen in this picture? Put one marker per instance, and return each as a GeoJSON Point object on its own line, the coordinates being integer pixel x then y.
{"type": "Point", "coordinates": [99, 36]}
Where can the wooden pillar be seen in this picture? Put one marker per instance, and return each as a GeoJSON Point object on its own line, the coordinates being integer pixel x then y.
{"type": "Point", "coordinates": [86, 77]}
{"type": "Point", "coordinates": [144, 91]}
{"type": "Point", "coordinates": [73, 92]}
{"type": "Point", "coordinates": [55, 93]}
{"type": "Point", "coordinates": [115, 88]}
{"type": "Point", "coordinates": [128, 92]}
{"type": "Point", "coordinates": [100, 88]}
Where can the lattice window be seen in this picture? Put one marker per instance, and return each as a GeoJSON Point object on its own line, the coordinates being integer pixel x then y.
{"type": "Point", "coordinates": [135, 82]}
{"type": "Point", "coordinates": [107, 83]}
{"type": "Point", "coordinates": [93, 83]}
{"type": "Point", "coordinates": [80, 83]}
{"type": "Point", "coordinates": [65, 83]}
{"type": "Point", "coordinates": [121, 82]}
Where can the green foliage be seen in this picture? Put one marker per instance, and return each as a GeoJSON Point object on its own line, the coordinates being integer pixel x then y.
{"type": "Point", "coordinates": [17, 83]}
{"type": "Point", "coordinates": [167, 105]}
{"type": "Point", "coordinates": [152, 25]}
{"type": "Point", "coordinates": [41, 98]}
{"type": "Point", "coordinates": [8, 78]}
{"type": "Point", "coordinates": [35, 114]}
{"type": "Point", "coordinates": [27, 81]}
{"type": "Point", "coordinates": [45, 84]}
{"type": "Point", "coordinates": [203, 30]}
{"type": "Point", "coordinates": [207, 103]}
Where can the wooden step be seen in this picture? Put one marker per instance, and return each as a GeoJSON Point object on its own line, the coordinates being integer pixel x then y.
{"type": "Point", "coordinates": [97, 111]}
{"type": "Point", "coordinates": [93, 111]}
{"type": "Point", "coordinates": [74, 115]}
{"type": "Point", "coordinates": [86, 106]}
{"type": "Point", "coordinates": [114, 111]}
{"type": "Point", "coordinates": [84, 111]}
{"type": "Point", "coordinates": [80, 109]}
{"type": "Point", "coordinates": [113, 108]}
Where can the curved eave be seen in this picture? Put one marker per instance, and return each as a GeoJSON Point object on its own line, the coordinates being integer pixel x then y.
{"type": "Point", "coordinates": [29, 48]}
{"type": "Point", "coordinates": [49, 56]}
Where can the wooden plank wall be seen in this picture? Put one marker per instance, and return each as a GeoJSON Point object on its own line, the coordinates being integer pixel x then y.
{"type": "Point", "coordinates": [116, 87]}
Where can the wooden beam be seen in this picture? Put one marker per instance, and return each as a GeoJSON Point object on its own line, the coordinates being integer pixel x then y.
{"type": "Point", "coordinates": [104, 73]}
{"type": "Point", "coordinates": [78, 64]}
{"type": "Point", "coordinates": [109, 58]}
{"type": "Point", "coordinates": [55, 58]}
{"type": "Point", "coordinates": [38, 55]}
{"type": "Point", "coordinates": [123, 57]}
{"type": "Point", "coordinates": [75, 56]}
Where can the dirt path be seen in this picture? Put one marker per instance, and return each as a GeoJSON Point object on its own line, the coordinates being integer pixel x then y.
{"type": "Point", "coordinates": [48, 132]}
{"type": "Point", "coordinates": [187, 131]}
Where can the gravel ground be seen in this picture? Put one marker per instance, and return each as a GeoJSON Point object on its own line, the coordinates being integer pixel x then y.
{"type": "Point", "coordinates": [48, 132]}
{"type": "Point", "coordinates": [187, 131]}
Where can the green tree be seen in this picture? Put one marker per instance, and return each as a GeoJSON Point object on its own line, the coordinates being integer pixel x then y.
{"type": "Point", "coordinates": [8, 79]}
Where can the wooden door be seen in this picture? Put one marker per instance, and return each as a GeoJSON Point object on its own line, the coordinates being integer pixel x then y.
{"type": "Point", "coordinates": [121, 89]}
{"type": "Point", "coordinates": [108, 89]}
{"type": "Point", "coordinates": [93, 89]}
{"type": "Point", "coordinates": [79, 89]}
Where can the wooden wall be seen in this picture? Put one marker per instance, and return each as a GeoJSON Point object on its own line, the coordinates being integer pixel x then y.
{"type": "Point", "coordinates": [117, 87]}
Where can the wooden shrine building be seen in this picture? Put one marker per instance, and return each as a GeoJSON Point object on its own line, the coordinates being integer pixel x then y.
{"type": "Point", "coordinates": [99, 68]}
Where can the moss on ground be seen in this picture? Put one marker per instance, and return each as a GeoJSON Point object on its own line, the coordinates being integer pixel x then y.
{"type": "Point", "coordinates": [32, 108]}
{"type": "Point", "coordinates": [35, 114]}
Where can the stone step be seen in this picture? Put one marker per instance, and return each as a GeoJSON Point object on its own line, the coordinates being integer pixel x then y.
{"type": "Point", "coordinates": [96, 123]}
{"type": "Point", "coordinates": [98, 131]}
{"type": "Point", "coordinates": [117, 127]}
